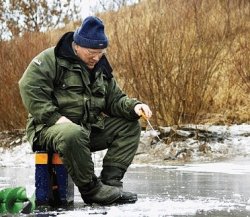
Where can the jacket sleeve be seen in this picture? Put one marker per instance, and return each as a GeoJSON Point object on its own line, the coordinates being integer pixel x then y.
{"type": "Point", "coordinates": [119, 104]}
{"type": "Point", "coordinates": [36, 88]}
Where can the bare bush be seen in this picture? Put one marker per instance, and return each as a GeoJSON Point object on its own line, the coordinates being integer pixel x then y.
{"type": "Point", "coordinates": [170, 54]}
{"type": "Point", "coordinates": [14, 58]}
{"type": "Point", "coordinates": [242, 62]}
{"type": "Point", "coordinates": [189, 60]}
{"type": "Point", "coordinates": [19, 16]}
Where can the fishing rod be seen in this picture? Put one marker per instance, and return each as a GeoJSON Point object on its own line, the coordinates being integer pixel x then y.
{"type": "Point", "coordinates": [150, 125]}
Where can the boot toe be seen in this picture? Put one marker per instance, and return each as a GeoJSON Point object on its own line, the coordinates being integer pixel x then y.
{"type": "Point", "coordinates": [126, 197]}
{"type": "Point", "coordinates": [104, 196]}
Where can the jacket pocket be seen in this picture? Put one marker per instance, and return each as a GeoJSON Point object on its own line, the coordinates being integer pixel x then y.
{"type": "Point", "coordinates": [70, 91]}
{"type": "Point", "coordinates": [72, 81]}
{"type": "Point", "coordinates": [69, 96]}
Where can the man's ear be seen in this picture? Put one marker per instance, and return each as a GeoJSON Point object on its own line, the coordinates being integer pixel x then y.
{"type": "Point", "coordinates": [75, 47]}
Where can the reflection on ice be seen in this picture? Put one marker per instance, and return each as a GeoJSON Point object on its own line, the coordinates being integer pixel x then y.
{"type": "Point", "coordinates": [221, 167]}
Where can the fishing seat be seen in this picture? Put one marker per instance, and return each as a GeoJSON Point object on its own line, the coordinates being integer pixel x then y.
{"type": "Point", "coordinates": [53, 185]}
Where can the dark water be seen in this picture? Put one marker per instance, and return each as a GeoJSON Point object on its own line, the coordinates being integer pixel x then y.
{"type": "Point", "coordinates": [170, 191]}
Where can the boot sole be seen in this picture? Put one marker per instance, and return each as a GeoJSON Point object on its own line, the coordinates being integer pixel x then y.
{"type": "Point", "coordinates": [122, 200]}
{"type": "Point", "coordinates": [113, 200]}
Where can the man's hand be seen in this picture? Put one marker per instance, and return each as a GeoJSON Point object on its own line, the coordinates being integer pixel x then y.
{"type": "Point", "coordinates": [139, 108]}
{"type": "Point", "coordinates": [62, 120]}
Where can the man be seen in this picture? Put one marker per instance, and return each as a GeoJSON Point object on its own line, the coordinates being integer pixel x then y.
{"type": "Point", "coordinates": [75, 108]}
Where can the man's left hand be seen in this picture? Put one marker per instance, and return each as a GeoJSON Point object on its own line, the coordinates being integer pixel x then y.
{"type": "Point", "coordinates": [139, 108]}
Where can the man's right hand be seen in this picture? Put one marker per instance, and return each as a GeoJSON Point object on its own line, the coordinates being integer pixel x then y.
{"type": "Point", "coordinates": [63, 120]}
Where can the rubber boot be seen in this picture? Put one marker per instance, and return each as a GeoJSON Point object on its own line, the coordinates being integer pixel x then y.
{"type": "Point", "coordinates": [112, 176]}
{"type": "Point", "coordinates": [126, 197]}
{"type": "Point", "coordinates": [97, 192]}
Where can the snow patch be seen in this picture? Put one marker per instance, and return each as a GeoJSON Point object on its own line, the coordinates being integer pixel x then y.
{"type": "Point", "coordinates": [236, 142]}
{"type": "Point", "coordinates": [19, 156]}
{"type": "Point", "coordinates": [212, 144]}
{"type": "Point", "coordinates": [151, 207]}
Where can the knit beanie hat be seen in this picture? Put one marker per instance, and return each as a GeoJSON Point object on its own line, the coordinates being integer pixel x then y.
{"type": "Point", "coordinates": [91, 34]}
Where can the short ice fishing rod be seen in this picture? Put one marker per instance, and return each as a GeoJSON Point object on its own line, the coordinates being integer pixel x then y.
{"type": "Point", "coordinates": [150, 125]}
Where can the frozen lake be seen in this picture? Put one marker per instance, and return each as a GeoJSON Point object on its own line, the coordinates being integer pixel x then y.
{"type": "Point", "coordinates": [208, 189]}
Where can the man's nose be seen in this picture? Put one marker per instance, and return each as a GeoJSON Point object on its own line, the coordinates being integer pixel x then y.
{"type": "Point", "coordinates": [97, 57]}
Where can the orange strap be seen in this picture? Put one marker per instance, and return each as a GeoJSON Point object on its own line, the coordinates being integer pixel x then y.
{"type": "Point", "coordinates": [56, 159]}
{"type": "Point", "coordinates": [42, 158]}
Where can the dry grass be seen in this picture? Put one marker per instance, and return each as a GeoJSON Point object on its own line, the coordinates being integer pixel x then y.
{"type": "Point", "coordinates": [14, 57]}
{"type": "Point", "coordinates": [189, 60]}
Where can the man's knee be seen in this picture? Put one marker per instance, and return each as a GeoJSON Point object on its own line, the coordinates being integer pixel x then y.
{"type": "Point", "coordinates": [132, 133]}
{"type": "Point", "coordinates": [71, 136]}
{"type": "Point", "coordinates": [131, 126]}
{"type": "Point", "coordinates": [134, 128]}
{"type": "Point", "coordinates": [71, 131]}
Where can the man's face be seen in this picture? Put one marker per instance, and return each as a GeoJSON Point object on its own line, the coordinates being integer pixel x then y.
{"type": "Point", "coordinates": [89, 56]}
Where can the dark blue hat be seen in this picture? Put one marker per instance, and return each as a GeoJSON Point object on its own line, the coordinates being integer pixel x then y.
{"type": "Point", "coordinates": [91, 34]}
